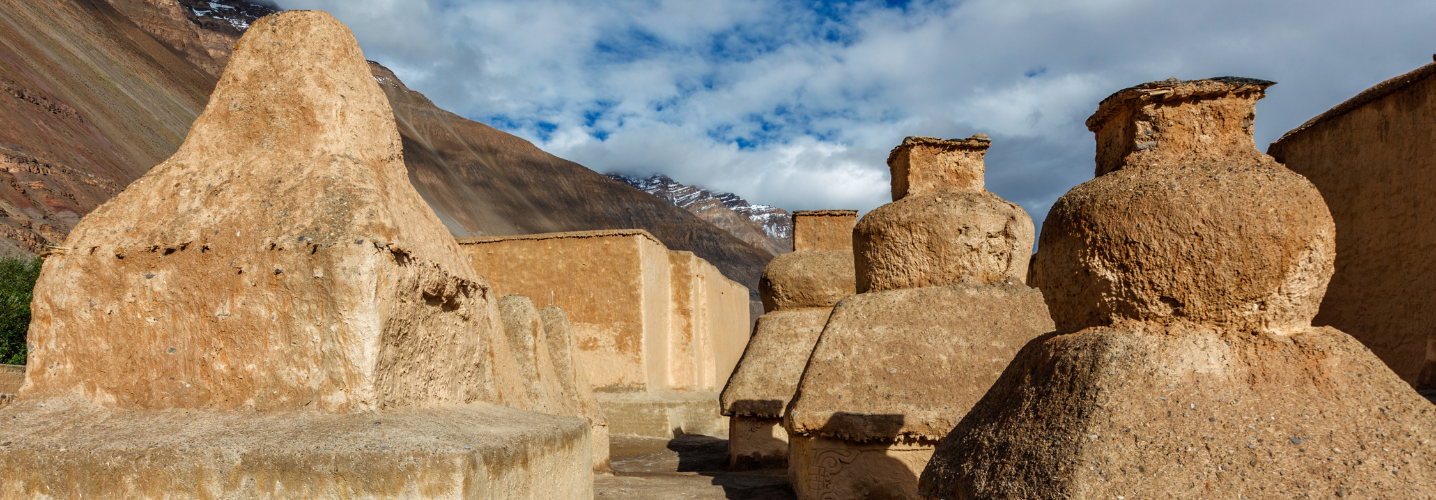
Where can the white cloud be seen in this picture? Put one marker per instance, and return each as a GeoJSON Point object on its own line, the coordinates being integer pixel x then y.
{"type": "Point", "coordinates": [789, 106]}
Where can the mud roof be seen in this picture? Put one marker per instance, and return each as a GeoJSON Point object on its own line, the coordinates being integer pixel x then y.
{"type": "Point", "coordinates": [1172, 87]}
{"type": "Point", "coordinates": [1367, 96]}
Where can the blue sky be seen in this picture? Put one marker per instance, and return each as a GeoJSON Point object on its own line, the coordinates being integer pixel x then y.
{"type": "Point", "coordinates": [796, 103]}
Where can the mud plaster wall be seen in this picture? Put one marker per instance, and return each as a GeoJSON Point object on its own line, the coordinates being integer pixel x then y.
{"type": "Point", "coordinates": [689, 334]}
{"type": "Point", "coordinates": [728, 324]}
{"type": "Point", "coordinates": [824, 229]}
{"type": "Point", "coordinates": [597, 279]}
{"type": "Point", "coordinates": [656, 305]}
{"type": "Point", "coordinates": [644, 317]}
{"type": "Point", "coordinates": [1375, 164]}
{"type": "Point", "coordinates": [11, 377]}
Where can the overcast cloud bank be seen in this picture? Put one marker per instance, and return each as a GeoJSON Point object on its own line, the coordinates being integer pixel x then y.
{"type": "Point", "coordinates": [796, 104]}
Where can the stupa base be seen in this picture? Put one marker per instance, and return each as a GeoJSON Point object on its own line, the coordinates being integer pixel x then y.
{"type": "Point", "coordinates": [663, 414]}
{"type": "Point", "coordinates": [823, 467]}
{"type": "Point", "coordinates": [72, 448]}
{"type": "Point", "coordinates": [757, 443]}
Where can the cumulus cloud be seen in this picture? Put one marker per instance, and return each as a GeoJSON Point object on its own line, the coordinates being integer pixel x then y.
{"type": "Point", "coordinates": [796, 103]}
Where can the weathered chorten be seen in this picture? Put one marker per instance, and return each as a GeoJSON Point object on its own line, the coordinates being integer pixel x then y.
{"type": "Point", "coordinates": [942, 308]}
{"type": "Point", "coordinates": [275, 312]}
{"type": "Point", "coordinates": [545, 378]}
{"type": "Point", "coordinates": [799, 290]}
{"type": "Point", "coordinates": [1183, 281]}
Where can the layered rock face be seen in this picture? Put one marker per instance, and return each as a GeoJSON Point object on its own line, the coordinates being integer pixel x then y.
{"type": "Point", "coordinates": [1183, 280]}
{"type": "Point", "coordinates": [280, 262]}
{"type": "Point", "coordinates": [898, 366]}
{"type": "Point", "coordinates": [799, 290]}
{"type": "Point", "coordinates": [1374, 160]}
{"type": "Point", "coordinates": [914, 242]}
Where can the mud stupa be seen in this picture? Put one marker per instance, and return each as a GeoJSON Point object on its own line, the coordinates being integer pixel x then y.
{"type": "Point", "coordinates": [799, 290]}
{"type": "Point", "coordinates": [275, 312]}
{"type": "Point", "coordinates": [544, 377]}
{"type": "Point", "coordinates": [942, 308]}
{"type": "Point", "coordinates": [1183, 281]}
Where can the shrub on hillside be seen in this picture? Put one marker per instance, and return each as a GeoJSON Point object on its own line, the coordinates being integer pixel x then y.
{"type": "Point", "coordinates": [17, 286]}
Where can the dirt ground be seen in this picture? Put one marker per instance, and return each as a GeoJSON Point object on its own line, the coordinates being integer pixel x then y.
{"type": "Point", "coordinates": [689, 467]}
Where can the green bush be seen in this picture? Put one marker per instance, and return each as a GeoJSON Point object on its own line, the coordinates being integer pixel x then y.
{"type": "Point", "coordinates": [17, 286]}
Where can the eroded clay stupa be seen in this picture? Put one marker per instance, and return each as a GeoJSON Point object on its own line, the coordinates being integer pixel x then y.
{"type": "Point", "coordinates": [1183, 281]}
{"type": "Point", "coordinates": [799, 290]}
{"type": "Point", "coordinates": [546, 379]}
{"type": "Point", "coordinates": [942, 309]}
{"type": "Point", "coordinates": [275, 312]}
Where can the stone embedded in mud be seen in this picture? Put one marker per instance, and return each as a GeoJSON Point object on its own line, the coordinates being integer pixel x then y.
{"type": "Point", "coordinates": [823, 229]}
{"type": "Point", "coordinates": [943, 227]}
{"type": "Point", "coordinates": [1188, 271]}
{"type": "Point", "coordinates": [279, 260]}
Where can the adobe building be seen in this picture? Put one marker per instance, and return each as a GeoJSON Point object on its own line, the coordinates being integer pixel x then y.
{"type": "Point", "coordinates": [656, 330]}
{"type": "Point", "coordinates": [941, 308]}
{"type": "Point", "coordinates": [1374, 160]}
{"type": "Point", "coordinates": [1183, 281]}
{"type": "Point", "coordinates": [799, 290]}
{"type": "Point", "coordinates": [275, 312]}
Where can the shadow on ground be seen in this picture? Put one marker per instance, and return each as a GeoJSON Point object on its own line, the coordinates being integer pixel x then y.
{"type": "Point", "coordinates": [688, 467]}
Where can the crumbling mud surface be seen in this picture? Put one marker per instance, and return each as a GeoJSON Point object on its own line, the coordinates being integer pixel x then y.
{"type": "Point", "coordinates": [72, 448]}
{"type": "Point", "coordinates": [1154, 411]}
{"type": "Point", "coordinates": [1183, 281]}
{"type": "Point", "coordinates": [279, 260]}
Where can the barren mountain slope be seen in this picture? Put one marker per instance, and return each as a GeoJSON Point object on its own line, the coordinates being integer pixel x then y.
{"type": "Point", "coordinates": [91, 102]}
{"type": "Point", "coordinates": [767, 227]}
{"type": "Point", "coordinates": [88, 102]}
{"type": "Point", "coordinates": [202, 31]}
{"type": "Point", "coordinates": [482, 181]}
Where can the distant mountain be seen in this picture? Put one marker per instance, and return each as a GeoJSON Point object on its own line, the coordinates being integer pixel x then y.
{"type": "Point", "coordinates": [88, 103]}
{"type": "Point", "coordinates": [201, 31]}
{"type": "Point", "coordinates": [764, 226]}
{"type": "Point", "coordinates": [93, 93]}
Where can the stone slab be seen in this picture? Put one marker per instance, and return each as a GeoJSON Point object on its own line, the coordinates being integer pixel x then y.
{"type": "Point", "coordinates": [663, 414]}
{"type": "Point", "coordinates": [72, 448]}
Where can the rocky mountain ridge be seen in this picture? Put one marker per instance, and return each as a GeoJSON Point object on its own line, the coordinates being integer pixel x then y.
{"type": "Point", "coordinates": [726, 210]}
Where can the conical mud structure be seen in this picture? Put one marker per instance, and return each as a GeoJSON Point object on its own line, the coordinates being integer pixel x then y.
{"type": "Point", "coordinates": [1183, 281]}
{"type": "Point", "coordinates": [275, 312]}
{"type": "Point", "coordinates": [799, 290]}
{"type": "Point", "coordinates": [942, 309]}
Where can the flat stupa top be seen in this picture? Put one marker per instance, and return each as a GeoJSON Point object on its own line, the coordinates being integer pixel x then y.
{"type": "Point", "coordinates": [1187, 221]}
{"type": "Point", "coordinates": [943, 227]}
{"type": "Point", "coordinates": [823, 229]}
{"type": "Point", "coordinates": [922, 165]}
